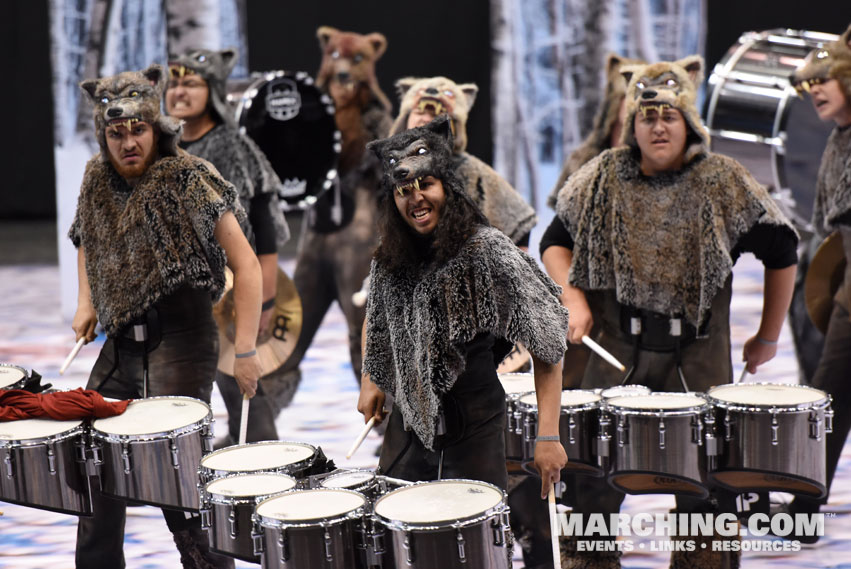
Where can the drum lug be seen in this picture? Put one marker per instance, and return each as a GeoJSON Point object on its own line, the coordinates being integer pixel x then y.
{"type": "Point", "coordinates": [728, 428]}
{"type": "Point", "coordinates": [603, 440]}
{"type": "Point", "coordinates": [207, 439]}
{"type": "Point", "coordinates": [815, 425]}
{"type": "Point", "coordinates": [376, 536]}
{"type": "Point", "coordinates": [283, 544]}
{"type": "Point", "coordinates": [51, 459]}
{"type": "Point", "coordinates": [571, 428]}
{"type": "Point", "coordinates": [518, 423]}
{"type": "Point", "coordinates": [623, 431]}
{"type": "Point", "coordinates": [462, 545]}
{"type": "Point", "coordinates": [530, 428]}
{"type": "Point", "coordinates": [206, 516]}
{"type": "Point", "coordinates": [329, 549]}
{"type": "Point", "coordinates": [7, 461]}
{"type": "Point", "coordinates": [697, 430]}
{"type": "Point", "coordinates": [125, 457]}
{"type": "Point", "coordinates": [775, 429]}
{"type": "Point", "coordinates": [408, 546]}
{"type": "Point", "coordinates": [499, 526]}
{"type": "Point", "coordinates": [80, 450]}
{"type": "Point", "coordinates": [232, 523]}
{"type": "Point", "coordinates": [509, 418]}
{"type": "Point", "coordinates": [662, 433]}
{"type": "Point", "coordinates": [175, 453]}
{"type": "Point", "coordinates": [828, 420]}
{"type": "Point", "coordinates": [257, 539]}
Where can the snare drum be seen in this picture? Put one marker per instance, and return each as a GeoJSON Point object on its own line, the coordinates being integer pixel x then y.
{"type": "Point", "coordinates": [769, 437]}
{"type": "Point", "coordinates": [42, 464]}
{"type": "Point", "coordinates": [577, 429]}
{"type": "Point", "coordinates": [625, 390]}
{"type": "Point", "coordinates": [150, 453]}
{"type": "Point", "coordinates": [447, 524]}
{"type": "Point", "coordinates": [515, 385]}
{"type": "Point", "coordinates": [306, 529]}
{"type": "Point", "coordinates": [227, 505]}
{"type": "Point", "coordinates": [285, 457]}
{"type": "Point", "coordinates": [658, 446]}
{"type": "Point", "coordinates": [12, 377]}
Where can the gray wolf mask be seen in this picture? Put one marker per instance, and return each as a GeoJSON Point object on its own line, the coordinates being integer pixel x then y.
{"type": "Point", "coordinates": [214, 67]}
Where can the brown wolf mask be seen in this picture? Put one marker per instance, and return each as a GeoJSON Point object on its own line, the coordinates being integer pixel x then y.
{"type": "Point", "coordinates": [832, 61]}
{"type": "Point", "coordinates": [348, 64]}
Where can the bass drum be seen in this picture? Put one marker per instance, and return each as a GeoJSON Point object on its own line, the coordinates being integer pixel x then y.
{"type": "Point", "coordinates": [293, 124]}
{"type": "Point", "coordinates": [754, 115]}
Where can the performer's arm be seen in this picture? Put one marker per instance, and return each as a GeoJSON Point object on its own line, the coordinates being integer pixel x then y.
{"type": "Point", "coordinates": [269, 270]}
{"type": "Point", "coordinates": [777, 295]}
{"type": "Point", "coordinates": [247, 290]}
{"type": "Point", "coordinates": [557, 261]}
{"type": "Point", "coordinates": [550, 457]}
{"type": "Point", "coordinates": [85, 319]}
{"type": "Point", "coordinates": [371, 399]}
{"type": "Point", "coordinates": [266, 242]}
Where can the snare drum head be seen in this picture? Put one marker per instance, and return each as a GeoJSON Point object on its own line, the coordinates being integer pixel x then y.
{"type": "Point", "coordinates": [351, 479]}
{"type": "Point", "coordinates": [305, 505]}
{"type": "Point", "coordinates": [10, 375]}
{"type": "Point", "coordinates": [154, 415]}
{"type": "Point", "coordinates": [440, 501]}
{"type": "Point", "coordinates": [31, 429]}
{"type": "Point", "coordinates": [658, 401]}
{"type": "Point", "coordinates": [624, 390]}
{"type": "Point", "coordinates": [247, 485]}
{"type": "Point", "coordinates": [514, 383]}
{"type": "Point", "coordinates": [766, 394]}
{"type": "Point", "coordinates": [268, 455]}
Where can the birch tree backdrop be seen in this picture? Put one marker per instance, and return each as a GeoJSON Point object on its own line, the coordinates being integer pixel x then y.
{"type": "Point", "coordinates": [548, 72]}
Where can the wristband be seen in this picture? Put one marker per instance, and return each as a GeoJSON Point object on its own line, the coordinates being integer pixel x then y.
{"type": "Point", "coordinates": [547, 438]}
{"type": "Point", "coordinates": [246, 354]}
{"type": "Point", "coordinates": [766, 342]}
{"type": "Point", "coordinates": [268, 304]}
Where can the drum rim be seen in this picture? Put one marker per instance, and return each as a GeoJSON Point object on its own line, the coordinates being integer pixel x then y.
{"type": "Point", "coordinates": [159, 435]}
{"type": "Point", "coordinates": [79, 429]}
{"type": "Point", "coordinates": [22, 379]}
{"type": "Point", "coordinates": [658, 411]}
{"type": "Point", "coordinates": [824, 402]}
{"type": "Point", "coordinates": [477, 518]}
{"type": "Point", "coordinates": [222, 499]}
{"type": "Point", "coordinates": [344, 472]}
{"type": "Point", "coordinates": [602, 390]}
{"type": "Point", "coordinates": [304, 463]}
{"type": "Point", "coordinates": [523, 406]}
{"type": "Point", "coordinates": [275, 523]}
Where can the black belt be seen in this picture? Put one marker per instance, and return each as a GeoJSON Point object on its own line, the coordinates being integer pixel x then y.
{"type": "Point", "coordinates": [657, 332]}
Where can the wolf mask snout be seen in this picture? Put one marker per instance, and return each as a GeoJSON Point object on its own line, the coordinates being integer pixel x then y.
{"type": "Point", "coordinates": [401, 174]}
{"type": "Point", "coordinates": [114, 112]}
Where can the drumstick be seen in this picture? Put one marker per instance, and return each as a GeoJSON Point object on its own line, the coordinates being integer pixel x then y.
{"type": "Point", "coordinates": [243, 420]}
{"type": "Point", "coordinates": [744, 373]}
{"type": "Point", "coordinates": [600, 351]}
{"type": "Point", "coordinates": [551, 502]}
{"type": "Point", "coordinates": [72, 355]}
{"type": "Point", "coordinates": [364, 432]}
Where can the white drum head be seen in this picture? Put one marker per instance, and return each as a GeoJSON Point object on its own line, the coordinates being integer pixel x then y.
{"type": "Point", "coordinates": [624, 390]}
{"type": "Point", "coordinates": [154, 415]}
{"type": "Point", "coordinates": [303, 505]}
{"type": "Point", "coordinates": [440, 501]}
{"type": "Point", "coordinates": [768, 395]}
{"type": "Point", "coordinates": [25, 429]}
{"type": "Point", "coordinates": [576, 397]}
{"type": "Point", "coordinates": [251, 485]}
{"type": "Point", "coordinates": [517, 382]}
{"type": "Point", "coordinates": [348, 479]}
{"type": "Point", "coordinates": [10, 375]}
{"type": "Point", "coordinates": [658, 401]}
{"type": "Point", "coordinates": [258, 456]}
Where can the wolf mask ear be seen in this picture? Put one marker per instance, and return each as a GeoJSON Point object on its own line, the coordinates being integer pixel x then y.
{"type": "Point", "coordinates": [229, 57]}
{"type": "Point", "coordinates": [379, 43]}
{"type": "Point", "coordinates": [613, 61]}
{"type": "Point", "coordinates": [156, 75]}
{"type": "Point", "coordinates": [404, 85]}
{"type": "Point", "coordinates": [90, 86]}
{"type": "Point", "coordinates": [324, 34]}
{"type": "Point", "coordinates": [377, 146]}
{"type": "Point", "coordinates": [693, 64]}
{"type": "Point", "coordinates": [470, 91]}
{"type": "Point", "coordinates": [627, 73]}
{"type": "Point", "coordinates": [441, 126]}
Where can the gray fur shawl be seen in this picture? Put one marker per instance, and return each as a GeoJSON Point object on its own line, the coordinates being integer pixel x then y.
{"type": "Point", "coordinates": [833, 189]}
{"type": "Point", "coordinates": [502, 205]}
{"type": "Point", "coordinates": [142, 243]}
{"type": "Point", "coordinates": [662, 243]}
{"type": "Point", "coordinates": [241, 162]}
{"type": "Point", "coordinates": [419, 322]}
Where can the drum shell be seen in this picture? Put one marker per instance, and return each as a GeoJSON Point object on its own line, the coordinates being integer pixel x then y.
{"type": "Point", "coordinates": [749, 461]}
{"type": "Point", "coordinates": [642, 463]}
{"type": "Point", "coordinates": [28, 479]}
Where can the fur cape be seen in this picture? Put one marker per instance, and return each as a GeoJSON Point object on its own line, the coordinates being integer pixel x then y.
{"type": "Point", "coordinates": [662, 243]}
{"type": "Point", "coordinates": [241, 162]}
{"type": "Point", "coordinates": [833, 189]}
{"type": "Point", "coordinates": [142, 243]}
{"type": "Point", "coordinates": [419, 322]}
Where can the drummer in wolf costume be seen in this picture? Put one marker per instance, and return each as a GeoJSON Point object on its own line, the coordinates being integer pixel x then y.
{"type": "Point", "coordinates": [826, 76]}
{"type": "Point", "coordinates": [424, 99]}
{"type": "Point", "coordinates": [154, 229]}
{"type": "Point", "coordinates": [648, 233]}
{"type": "Point", "coordinates": [196, 94]}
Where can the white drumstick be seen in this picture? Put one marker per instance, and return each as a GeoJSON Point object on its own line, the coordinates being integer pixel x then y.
{"type": "Point", "coordinates": [243, 420]}
{"type": "Point", "coordinates": [72, 355]}
{"type": "Point", "coordinates": [600, 351]}
{"type": "Point", "coordinates": [744, 373]}
{"type": "Point", "coordinates": [551, 502]}
{"type": "Point", "coordinates": [366, 429]}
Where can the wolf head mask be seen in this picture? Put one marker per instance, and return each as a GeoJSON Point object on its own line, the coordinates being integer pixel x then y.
{"type": "Point", "coordinates": [214, 67]}
{"type": "Point", "coordinates": [440, 96]}
{"type": "Point", "coordinates": [667, 83]}
{"type": "Point", "coordinates": [832, 61]}
{"type": "Point", "coordinates": [130, 97]}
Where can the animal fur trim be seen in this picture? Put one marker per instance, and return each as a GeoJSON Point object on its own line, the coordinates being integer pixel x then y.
{"type": "Point", "coordinates": [671, 83]}
{"type": "Point", "coordinates": [214, 67]}
{"type": "Point", "coordinates": [241, 162]}
{"type": "Point", "coordinates": [662, 243]}
{"type": "Point", "coordinates": [830, 61]}
{"type": "Point", "coordinates": [142, 243]}
{"type": "Point", "coordinates": [419, 322]}
{"type": "Point", "coordinates": [833, 188]}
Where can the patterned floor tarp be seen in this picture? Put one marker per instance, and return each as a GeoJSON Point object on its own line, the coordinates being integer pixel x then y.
{"type": "Point", "coordinates": [323, 413]}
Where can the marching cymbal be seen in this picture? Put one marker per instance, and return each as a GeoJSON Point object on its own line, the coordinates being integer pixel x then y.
{"type": "Point", "coordinates": [824, 276]}
{"type": "Point", "coordinates": [273, 347]}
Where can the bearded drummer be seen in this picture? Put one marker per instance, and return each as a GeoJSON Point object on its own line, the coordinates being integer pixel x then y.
{"type": "Point", "coordinates": [448, 297]}
{"type": "Point", "coordinates": [154, 229]}
{"type": "Point", "coordinates": [643, 243]}
{"type": "Point", "coordinates": [826, 76]}
{"type": "Point", "coordinates": [196, 94]}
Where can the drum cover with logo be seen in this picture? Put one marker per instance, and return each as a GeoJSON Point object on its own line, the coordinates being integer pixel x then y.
{"type": "Point", "coordinates": [293, 124]}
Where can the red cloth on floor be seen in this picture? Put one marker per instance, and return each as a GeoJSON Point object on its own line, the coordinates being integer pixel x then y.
{"type": "Point", "coordinates": [60, 405]}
